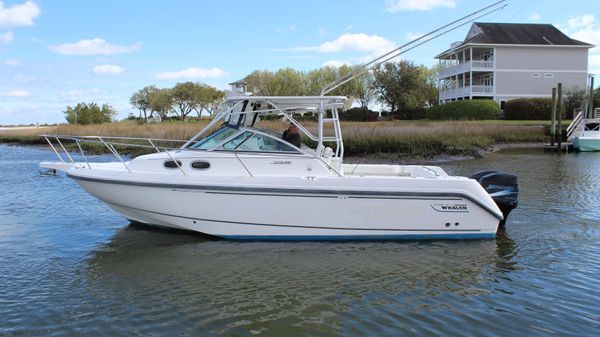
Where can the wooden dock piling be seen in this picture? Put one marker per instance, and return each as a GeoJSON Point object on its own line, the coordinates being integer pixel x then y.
{"type": "Point", "coordinates": [553, 119]}
{"type": "Point", "coordinates": [560, 110]}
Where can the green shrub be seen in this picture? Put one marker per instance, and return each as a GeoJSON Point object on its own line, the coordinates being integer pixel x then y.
{"type": "Point", "coordinates": [410, 113]}
{"type": "Point", "coordinates": [89, 113]}
{"type": "Point", "coordinates": [359, 115]}
{"type": "Point", "coordinates": [465, 110]}
{"type": "Point", "coordinates": [528, 108]}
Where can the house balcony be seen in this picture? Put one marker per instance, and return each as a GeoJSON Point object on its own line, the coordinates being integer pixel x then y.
{"type": "Point", "coordinates": [473, 65]}
{"type": "Point", "coordinates": [466, 91]}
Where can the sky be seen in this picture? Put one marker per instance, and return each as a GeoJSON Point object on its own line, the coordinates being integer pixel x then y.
{"type": "Point", "coordinates": [57, 53]}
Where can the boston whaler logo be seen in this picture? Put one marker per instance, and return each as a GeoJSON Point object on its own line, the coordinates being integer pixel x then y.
{"type": "Point", "coordinates": [281, 162]}
{"type": "Point", "coordinates": [450, 207]}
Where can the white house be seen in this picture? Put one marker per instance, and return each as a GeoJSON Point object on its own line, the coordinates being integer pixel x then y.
{"type": "Point", "coordinates": [504, 61]}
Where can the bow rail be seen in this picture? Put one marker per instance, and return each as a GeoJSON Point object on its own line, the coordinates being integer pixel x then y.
{"type": "Point", "coordinates": [57, 144]}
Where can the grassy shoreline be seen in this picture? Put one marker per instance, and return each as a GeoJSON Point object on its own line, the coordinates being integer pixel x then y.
{"type": "Point", "coordinates": [384, 139]}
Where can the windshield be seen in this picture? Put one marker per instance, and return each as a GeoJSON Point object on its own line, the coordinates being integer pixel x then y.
{"type": "Point", "coordinates": [257, 142]}
{"type": "Point", "coordinates": [215, 138]}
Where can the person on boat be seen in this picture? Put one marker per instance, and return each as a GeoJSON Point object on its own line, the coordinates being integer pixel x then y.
{"type": "Point", "coordinates": [292, 135]}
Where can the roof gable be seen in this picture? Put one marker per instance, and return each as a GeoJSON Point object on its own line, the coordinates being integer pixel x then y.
{"type": "Point", "coordinates": [521, 33]}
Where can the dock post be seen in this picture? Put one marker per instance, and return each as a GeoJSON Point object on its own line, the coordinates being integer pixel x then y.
{"type": "Point", "coordinates": [553, 118]}
{"type": "Point", "coordinates": [590, 112]}
{"type": "Point", "coordinates": [559, 108]}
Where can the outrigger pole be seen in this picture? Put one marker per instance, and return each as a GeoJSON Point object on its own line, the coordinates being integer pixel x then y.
{"type": "Point", "coordinates": [413, 44]}
{"type": "Point", "coordinates": [401, 50]}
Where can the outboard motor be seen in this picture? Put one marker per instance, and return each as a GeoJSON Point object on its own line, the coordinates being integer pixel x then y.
{"type": "Point", "coordinates": [502, 187]}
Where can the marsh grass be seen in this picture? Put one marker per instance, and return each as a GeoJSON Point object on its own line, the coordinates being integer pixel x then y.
{"type": "Point", "coordinates": [414, 138]}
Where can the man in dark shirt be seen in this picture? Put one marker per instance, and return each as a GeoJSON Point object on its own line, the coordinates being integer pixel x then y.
{"type": "Point", "coordinates": [292, 135]}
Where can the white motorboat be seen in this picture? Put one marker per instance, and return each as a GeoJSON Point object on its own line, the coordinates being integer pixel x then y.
{"type": "Point", "coordinates": [239, 181]}
{"type": "Point", "coordinates": [244, 182]}
{"type": "Point", "coordinates": [585, 137]}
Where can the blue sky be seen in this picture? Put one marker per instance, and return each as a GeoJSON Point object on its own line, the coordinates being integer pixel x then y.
{"type": "Point", "coordinates": [58, 53]}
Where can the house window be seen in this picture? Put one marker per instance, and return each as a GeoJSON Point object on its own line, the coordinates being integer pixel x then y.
{"type": "Point", "coordinates": [502, 104]}
{"type": "Point", "coordinates": [536, 75]}
{"type": "Point", "coordinates": [548, 75]}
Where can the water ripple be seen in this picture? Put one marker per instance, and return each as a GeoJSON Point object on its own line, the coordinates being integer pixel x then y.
{"type": "Point", "coordinates": [70, 266]}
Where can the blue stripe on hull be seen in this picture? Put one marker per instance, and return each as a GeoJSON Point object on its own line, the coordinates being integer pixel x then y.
{"type": "Point", "coordinates": [406, 237]}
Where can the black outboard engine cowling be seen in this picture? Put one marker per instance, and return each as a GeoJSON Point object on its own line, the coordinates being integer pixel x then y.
{"type": "Point", "coordinates": [502, 187]}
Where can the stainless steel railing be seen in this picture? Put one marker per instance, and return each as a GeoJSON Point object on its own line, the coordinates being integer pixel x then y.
{"type": "Point", "coordinates": [111, 143]}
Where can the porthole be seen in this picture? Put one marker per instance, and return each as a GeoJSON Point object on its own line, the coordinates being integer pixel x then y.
{"type": "Point", "coordinates": [200, 165]}
{"type": "Point", "coordinates": [172, 164]}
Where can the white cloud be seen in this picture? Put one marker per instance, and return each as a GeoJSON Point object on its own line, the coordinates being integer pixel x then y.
{"type": "Point", "coordinates": [355, 42]}
{"type": "Point", "coordinates": [12, 62]}
{"type": "Point", "coordinates": [6, 38]}
{"type": "Point", "coordinates": [292, 28]}
{"type": "Point", "coordinates": [16, 93]}
{"type": "Point", "coordinates": [336, 63]}
{"type": "Point", "coordinates": [23, 78]}
{"type": "Point", "coordinates": [417, 5]}
{"type": "Point", "coordinates": [110, 69]}
{"type": "Point", "coordinates": [94, 47]}
{"type": "Point", "coordinates": [191, 73]}
{"type": "Point", "coordinates": [535, 16]}
{"type": "Point", "coordinates": [412, 36]}
{"type": "Point", "coordinates": [582, 21]}
{"type": "Point", "coordinates": [18, 15]}
{"type": "Point", "coordinates": [584, 28]}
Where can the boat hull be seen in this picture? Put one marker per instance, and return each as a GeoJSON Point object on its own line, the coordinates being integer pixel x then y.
{"type": "Point", "coordinates": [277, 213]}
{"type": "Point", "coordinates": [587, 144]}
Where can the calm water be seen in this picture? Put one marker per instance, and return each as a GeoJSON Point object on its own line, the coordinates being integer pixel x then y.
{"type": "Point", "coordinates": [70, 266]}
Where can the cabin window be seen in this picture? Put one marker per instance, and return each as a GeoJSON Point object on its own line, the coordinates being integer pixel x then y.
{"type": "Point", "coordinates": [257, 142]}
{"type": "Point", "coordinates": [200, 165]}
{"type": "Point", "coordinates": [536, 75]}
{"type": "Point", "coordinates": [592, 127]}
{"type": "Point", "coordinates": [215, 138]}
{"type": "Point", "coordinates": [548, 75]}
{"type": "Point", "coordinates": [236, 141]}
{"type": "Point", "coordinates": [171, 164]}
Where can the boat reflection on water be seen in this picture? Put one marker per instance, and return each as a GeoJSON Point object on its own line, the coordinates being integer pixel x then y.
{"type": "Point", "coordinates": [247, 286]}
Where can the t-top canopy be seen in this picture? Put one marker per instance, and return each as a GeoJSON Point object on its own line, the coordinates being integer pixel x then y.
{"type": "Point", "coordinates": [306, 102]}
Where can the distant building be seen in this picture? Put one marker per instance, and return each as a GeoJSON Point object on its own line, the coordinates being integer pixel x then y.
{"type": "Point", "coordinates": [504, 61]}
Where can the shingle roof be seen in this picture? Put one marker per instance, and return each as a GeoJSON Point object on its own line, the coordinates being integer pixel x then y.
{"type": "Point", "coordinates": [522, 33]}
{"type": "Point", "coordinates": [518, 33]}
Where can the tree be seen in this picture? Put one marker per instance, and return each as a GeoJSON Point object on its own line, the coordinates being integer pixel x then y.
{"type": "Point", "coordinates": [186, 98]}
{"type": "Point", "coordinates": [316, 79]}
{"type": "Point", "coordinates": [597, 98]}
{"type": "Point", "coordinates": [574, 100]}
{"type": "Point", "coordinates": [161, 101]}
{"type": "Point", "coordinates": [141, 100]}
{"type": "Point", "coordinates": [258, 82]}
{"type": "Point", "coordinates": [431, 85]}
{"type": "Point", "coordinates": [208, 98]}
{"type": "Point", "coordinates": [89, 113]}
{"type": "Point", "coordinates": [401, 84]}
{"type": "Point", "coordinates": [287, 82]}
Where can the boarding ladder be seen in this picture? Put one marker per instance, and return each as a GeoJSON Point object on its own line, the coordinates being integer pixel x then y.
{"type": "Point", "coordinates": [576, 124]}
{"type": "Point", "coordinates": [337, 133]}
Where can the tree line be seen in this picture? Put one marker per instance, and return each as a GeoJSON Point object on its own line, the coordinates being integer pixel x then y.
{"type": "Point", "coordinates": [397, 85]}
{"type": "Point", "coordinates": [181, 100]}
{"type": "Point", "coordinates": [403, 87]}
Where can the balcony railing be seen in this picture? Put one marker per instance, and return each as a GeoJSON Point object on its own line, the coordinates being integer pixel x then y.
{"type": "Point", "coordinates": [466, 66]}
{"type": "Point", "coordinates": [466, 91]}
